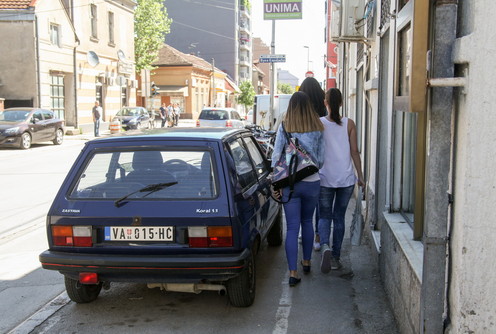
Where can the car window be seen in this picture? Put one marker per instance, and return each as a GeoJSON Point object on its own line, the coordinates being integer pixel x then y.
{"type": "Point", "coordinates": [47, 114]}
{"type": "Point", "coordinates": [236, 116]}
{"type": "Point", "coordinates": [187, 174]}
{"type": "Point", "coordinates": [37, 116]}
{"type": "Point", "coordinates": [257, 157]}
{"type": "Point", "coordinates": [214, 115]}
{"type": "Point", "coordinates": [242, 162]}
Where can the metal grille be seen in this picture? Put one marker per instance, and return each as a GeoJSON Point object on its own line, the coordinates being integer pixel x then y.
{"type": "Point", "coordinates": [385, 10]}
{"type": "Point", "coordinates": [371, 20]}
{"type": "Point", "coordinates": [360, 52]}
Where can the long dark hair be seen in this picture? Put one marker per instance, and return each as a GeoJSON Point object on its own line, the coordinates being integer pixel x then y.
{"type": "Point", "coordinates": [300, 116]}
{"type": "Point", "coordinates": [316, 94]}
{"type": "Point", "coordinates": [334, 100]}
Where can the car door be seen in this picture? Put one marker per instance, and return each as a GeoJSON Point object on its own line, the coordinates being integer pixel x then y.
{"type": "Point", "coordinates": [37, 126]}
{"type": "Point", "coordinates": [50, 124]}
{"type": "Point", "coordinates": [236, 119]}
{"type": "Point", "coordinates": [144, 117]}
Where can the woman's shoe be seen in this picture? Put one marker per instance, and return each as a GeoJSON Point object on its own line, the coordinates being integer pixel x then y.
{"type": "Point", "coordinates": [306, 269]}
{"type": "Point", "coordinates": [294, 280]}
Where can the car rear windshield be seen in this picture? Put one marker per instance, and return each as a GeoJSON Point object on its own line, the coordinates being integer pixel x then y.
{"type": "Point", "coordinates": [128, 112]}
{"type": "Point", "coordinates": [147, 174]}
{"type": "Point", "coordinates": [214, 115]}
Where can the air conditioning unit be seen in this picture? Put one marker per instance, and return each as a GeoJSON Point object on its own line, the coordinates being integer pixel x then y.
{"type": "Point", "coordinates": [347, 20]}
{"type": "Point", "coordinates": [110, 81]}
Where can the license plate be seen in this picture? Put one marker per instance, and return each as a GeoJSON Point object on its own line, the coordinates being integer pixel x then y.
{"type": "Point", "coordinates": [139, 233]}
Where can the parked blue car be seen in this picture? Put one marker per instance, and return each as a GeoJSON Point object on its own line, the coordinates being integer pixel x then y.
{"type": "Point", "coordinates": [179, 209]}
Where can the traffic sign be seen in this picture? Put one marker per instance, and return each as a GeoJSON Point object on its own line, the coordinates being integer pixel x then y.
{"type": "Point", "coordinates": [272, 58]}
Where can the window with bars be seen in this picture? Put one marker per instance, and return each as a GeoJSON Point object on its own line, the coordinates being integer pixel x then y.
{"type": "Point", "coordinates": [57, 97]}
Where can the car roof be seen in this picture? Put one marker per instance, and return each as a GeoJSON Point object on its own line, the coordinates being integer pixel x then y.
{"type": "Point", "coordinates": [25, 109]}
{"type": "Point", "coordinates": [175, 133]}
{"type": "Point", "coordinates": [213, 108]}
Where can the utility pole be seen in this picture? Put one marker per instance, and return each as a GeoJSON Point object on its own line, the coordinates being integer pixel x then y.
{"type": "Point", "coordinates": [273, 75]}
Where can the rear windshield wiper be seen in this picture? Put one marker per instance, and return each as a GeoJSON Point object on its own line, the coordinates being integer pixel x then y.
{"type": "Point", "coordinates": [150, 189]}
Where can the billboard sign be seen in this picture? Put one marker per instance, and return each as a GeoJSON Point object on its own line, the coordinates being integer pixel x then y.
{"type": "Point", "coordinates": [282, 9]}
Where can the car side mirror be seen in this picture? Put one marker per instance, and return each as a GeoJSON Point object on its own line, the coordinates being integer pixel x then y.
{"type": "Point", "coordinates": [34, 120]}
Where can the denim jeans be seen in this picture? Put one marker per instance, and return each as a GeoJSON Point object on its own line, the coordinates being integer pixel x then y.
{"type": "Point", "coordinates": [97, 127]}
{"type": "Point", "coordinates": [299, 211]}
{"type": "Point", "coordinates": [333, 203]}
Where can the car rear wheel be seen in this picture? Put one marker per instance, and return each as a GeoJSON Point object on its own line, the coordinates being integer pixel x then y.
{"type": "Point", "coordinates": [25, 141]}
{"type": "Point", "coordinates": [59, 137]}
{"type": "Point", "coordinates": [81, 293]}
{"type": "Point", "coordinates": [274, 238]}
{"type": "Point", "coordinates": [241, 289]}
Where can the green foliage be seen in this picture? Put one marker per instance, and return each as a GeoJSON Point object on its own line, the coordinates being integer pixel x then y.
{"type": "Point", "coordinates": [247, 96]}
{"type": "Point", "coordinates": [284, 88]}
{"type": "Point", "coordinates": [247, 4]}
{"type": "Point", "coordinates": [151, 25]}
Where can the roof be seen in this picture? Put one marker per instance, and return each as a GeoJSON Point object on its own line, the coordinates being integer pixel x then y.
{"type": "Point", "coordinates": [19, 4]}
{"type": "Point", "coordinates": [169, 56]}
{"type": "Point", "coordinates": [182, 134]}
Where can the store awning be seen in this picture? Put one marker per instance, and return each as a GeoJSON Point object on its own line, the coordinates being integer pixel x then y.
{"type": "Point", "coordinates": [173, 90]}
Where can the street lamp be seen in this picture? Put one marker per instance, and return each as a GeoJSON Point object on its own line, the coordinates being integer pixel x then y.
{"type": "Point", "coordinates": [308, 57]}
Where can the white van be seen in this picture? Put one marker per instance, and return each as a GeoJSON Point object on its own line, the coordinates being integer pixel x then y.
{"type": "Point", "coordinates": [262, 106]}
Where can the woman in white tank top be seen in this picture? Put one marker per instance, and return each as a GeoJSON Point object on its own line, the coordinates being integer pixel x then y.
{"type": "Point", "coordinates": [337, 178]}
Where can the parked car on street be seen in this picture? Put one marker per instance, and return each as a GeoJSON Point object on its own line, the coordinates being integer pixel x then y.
{"type": "Point", "coordinates": [20, 127]}
{"type": "Point", "coordinates": [220, 117]}
{"type": "Point", "coordinates": [182, 209]}
{"type": "Point", "coordinates": [133, 118]}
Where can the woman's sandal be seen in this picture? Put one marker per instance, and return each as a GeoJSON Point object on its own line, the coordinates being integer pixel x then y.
{"type": "Point", "coordinates": [306, 269]}
{"type": "Point", "coordinates": [294, 280]}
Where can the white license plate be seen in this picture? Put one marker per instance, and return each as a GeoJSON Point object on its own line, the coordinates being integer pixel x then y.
{"type": "Point", "coordinates": [139, 233]}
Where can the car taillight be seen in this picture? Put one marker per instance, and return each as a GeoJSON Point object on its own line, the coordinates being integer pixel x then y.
{"type": "Point", "coordinates": [197, 123]}
{"type": "Point", "coordinates": [212, 236]}
{"type": "Point", "coordinates": [228, 124]}
{"type": "Point", "coordinates": [76, 236]}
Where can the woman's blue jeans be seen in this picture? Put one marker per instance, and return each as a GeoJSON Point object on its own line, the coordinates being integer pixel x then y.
{"type": "Point", "coordinates": [333, 203]}
{"type": "Point", "coordinates": [299, 211]}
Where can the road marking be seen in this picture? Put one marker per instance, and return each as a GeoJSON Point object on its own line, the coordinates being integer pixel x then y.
{"type": "Point", "coordinates": [284, 309]}
{"type": "Point", "coordinates": [28, 325]}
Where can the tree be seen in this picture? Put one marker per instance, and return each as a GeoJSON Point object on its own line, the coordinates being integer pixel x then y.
{"type": "Point", "coordinates": [151, 25]}
{"type": "Point", "coordinates": [284, 88]}
{"type": "Point", "coordinates": [247, 96]}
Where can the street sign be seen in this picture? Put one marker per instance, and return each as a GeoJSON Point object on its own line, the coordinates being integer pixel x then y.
{"type": "Point", "coordinates": [272, 59]}
{"type": "Point", "coordinates": [282, 9]}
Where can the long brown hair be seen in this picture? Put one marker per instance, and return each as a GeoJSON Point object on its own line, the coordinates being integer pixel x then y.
{"type": "Point", "coordinates": [334, 101]}
{"type": "Point", "coordinates": [300, 116]}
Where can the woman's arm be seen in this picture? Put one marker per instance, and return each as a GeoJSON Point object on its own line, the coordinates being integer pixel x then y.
{"type": "Point", "coordinates": [278, 146]}
{"type": "Point", "coordinates": [355, 155]}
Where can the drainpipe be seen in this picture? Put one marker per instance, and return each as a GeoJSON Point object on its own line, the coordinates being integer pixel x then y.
{"type": "Point", "coordinates": [37, 51]}
{"type": "Point", "coordinates": [433, 300]}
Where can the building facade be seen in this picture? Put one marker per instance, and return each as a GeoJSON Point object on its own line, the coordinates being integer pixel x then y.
{"type": "Point", "coordinates": [415, 78]}
{"type": "Point", "coordinates": [221, 33]}
{"type": "Point", "coordinates": [71, 54]}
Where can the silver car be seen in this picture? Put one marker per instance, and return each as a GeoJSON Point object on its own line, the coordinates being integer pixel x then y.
{"type": "Point", "coordinates": [220, 118]}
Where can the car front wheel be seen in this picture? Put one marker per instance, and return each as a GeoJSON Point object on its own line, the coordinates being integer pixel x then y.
{"type": "Point", "coordinates": [59, 137]}
{"type": "Point", "coordinates": [81, 293]}
{"type": "Point", "coordinates": [25, 141]}
{"type": "Point", "coordinates": [241, 289]}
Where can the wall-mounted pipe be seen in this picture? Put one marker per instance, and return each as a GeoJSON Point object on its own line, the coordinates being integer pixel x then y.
{"type": "Point", "coordinates": [448, 82]}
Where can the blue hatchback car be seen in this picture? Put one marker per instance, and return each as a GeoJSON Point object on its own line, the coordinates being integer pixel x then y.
{"type": "Point", "coordinates": [179, 209]}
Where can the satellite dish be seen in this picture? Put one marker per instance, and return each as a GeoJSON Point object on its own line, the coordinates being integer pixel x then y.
{"type": "Point", "coordinates": [92, 58]}
{"type": "Point", "coordinates": [121, 55]}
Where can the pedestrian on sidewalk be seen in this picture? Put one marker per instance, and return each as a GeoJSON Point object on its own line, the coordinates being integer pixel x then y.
{"type": "Point", "coordinates": [317, 96]}
{"type": "Point", "coordinates": [163, 115]}
{"type": "Point", "coordinates": [337, 178]}
{"type": "Point", "coordinates": [97, 115]}
{"type": "Point", "coordinates": [302, 123]}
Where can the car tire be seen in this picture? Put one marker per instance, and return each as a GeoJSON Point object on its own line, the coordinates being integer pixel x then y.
{"type": "Point", "coordinates": [59, 137]}
{"type": "Point", "coordinates": [81, 293]}
{"type": "Point", "coordinates": [25, 141]}
{"type": "Point", "coordinates": [274, 237]}
{"type": "Point", "coordinates": [241, 289]}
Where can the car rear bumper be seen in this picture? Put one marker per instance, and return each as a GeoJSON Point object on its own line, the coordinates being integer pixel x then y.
{"type": "Point", "coordinates": [148, 268]}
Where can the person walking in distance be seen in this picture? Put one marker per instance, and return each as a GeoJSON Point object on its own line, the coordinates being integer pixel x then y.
{"type": "Point", "coordinates": [301, 123]}
{"type": "Point", "coordinates": [97, 115]}
{"type": "Point", "coordinates": [163, 114]}
{"type": "Point", "coordinates": [177, 111]}
{"type": "Point", "coordinates": [337, 178]}
{"type": "Point", "coordinates": [317, 95]}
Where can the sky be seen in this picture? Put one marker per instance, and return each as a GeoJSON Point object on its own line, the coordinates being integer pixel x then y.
{"type": "Point", "coordinates": [292, 35]}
